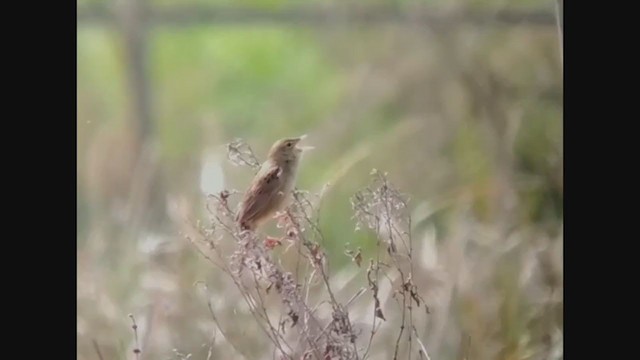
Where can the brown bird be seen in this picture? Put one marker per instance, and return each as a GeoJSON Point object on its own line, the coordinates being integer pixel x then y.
{"type": "Point", "coordinates": [271, 188]}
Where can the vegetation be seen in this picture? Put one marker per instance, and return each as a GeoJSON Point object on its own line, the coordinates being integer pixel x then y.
{"type": "Point", "coordinates": [465, 120]}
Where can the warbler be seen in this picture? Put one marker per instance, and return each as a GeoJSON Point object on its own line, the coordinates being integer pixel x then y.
{"type": "Point", "coordinates": [271, 188]}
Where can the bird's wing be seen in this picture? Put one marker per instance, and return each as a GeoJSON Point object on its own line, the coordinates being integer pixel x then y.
{"type": "Point", "coordinates": [258, 198]}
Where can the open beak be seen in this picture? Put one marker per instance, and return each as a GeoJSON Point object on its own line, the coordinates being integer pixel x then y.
{"type": "Point", "coordinates": [303, 148]}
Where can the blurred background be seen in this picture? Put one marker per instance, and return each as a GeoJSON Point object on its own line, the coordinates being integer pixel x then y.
{"type": "Point", "coordinates": [459, 101]}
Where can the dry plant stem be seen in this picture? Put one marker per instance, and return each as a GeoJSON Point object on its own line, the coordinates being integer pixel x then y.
{"type": "Point", "coordinates": [391, 229]}
{"type": "Point", "coordinates": [240, 153]}
{"type": "Point", "coordinates": [411, 287]}
{"type": "Point", "coordinates": [354, 297]}
{"type": "Point", "coordinates": [211, 344]}
{"type": "Point", "coordinates": [380, 207]}
{"type": "Point", "coordinates": [217, 322]}
{"type": "Point", "coordinates": [259, 311]}
{"type": "Point", "coordinates": [97, 349]}
{"type": "Point", "coordinates": [335, 338]}
{"type": "Point", "coordinates": [276, 336]}
{"type": "Point", "coordinates": [308, 244]}
{"type": "Point", "coordinates": [134, 326]}
{"type": "Point", "coordinates": [307, 278]}
{"type": "Point", "coordinates": [374, 289]}
{"type": "Point", "coordinates": [397, 347]}
{"type": "Point", "coordinates": [255, 311]}
{"type": "Point", "coordinates": [423, 349]}
{"type": "Point", "coordinates": [246, 296]}
{"type": "Point", "coordinates": [148, 325]}
{"type": "Point", "coordinates": [312, 247]}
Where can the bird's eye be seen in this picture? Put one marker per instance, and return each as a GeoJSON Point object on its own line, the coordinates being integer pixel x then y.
{"type": "Point", "coordinates": [289, 144]}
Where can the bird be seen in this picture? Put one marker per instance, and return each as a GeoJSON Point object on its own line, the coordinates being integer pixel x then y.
{"type": "Point", "coordinates": [271, 188]}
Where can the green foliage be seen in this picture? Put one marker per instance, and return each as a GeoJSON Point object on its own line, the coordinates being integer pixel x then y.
{"type": "Point", "coordinates": [104, 90]}
{"type": "Point", "coordinates": [248, 80]}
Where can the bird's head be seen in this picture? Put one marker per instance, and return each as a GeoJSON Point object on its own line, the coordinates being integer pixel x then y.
{"type": "Point", "coordinates": [288, 149]}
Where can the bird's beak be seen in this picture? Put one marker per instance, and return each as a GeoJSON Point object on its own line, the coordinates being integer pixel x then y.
{"type": "Point", "coordinates": [303, 148]}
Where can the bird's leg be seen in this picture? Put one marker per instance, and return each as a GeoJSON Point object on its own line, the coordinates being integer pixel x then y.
{"type": "Point", "coordinates": [271, 242]}
{"type": "Point", "coordinates": [282, 219]}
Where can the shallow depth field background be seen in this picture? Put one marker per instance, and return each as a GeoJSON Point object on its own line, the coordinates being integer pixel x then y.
{"type": "Point", "coordinates": [459, 101]}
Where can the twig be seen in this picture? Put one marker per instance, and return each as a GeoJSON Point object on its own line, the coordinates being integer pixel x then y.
{"type": "Point", "coordinates": [134, 326]}
{"type": "Point", "coordinates": [274, 332]}
{"type": "Point", "coordinates": [423, 348]}
{"type": "Point", "coordinates": [377, 311]}
{"type": "Point", "coordinates": [355, 296]}
{"type": "Point", "coordinates": [211, 344]}
{"type": "Point", "coordinates": [216, 321]}
{"type": "Point", "coordinates": [340, 314]}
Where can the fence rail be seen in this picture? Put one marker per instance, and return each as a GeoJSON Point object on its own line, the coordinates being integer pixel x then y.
{"type": "Point", "coordinates": [323, 16]}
